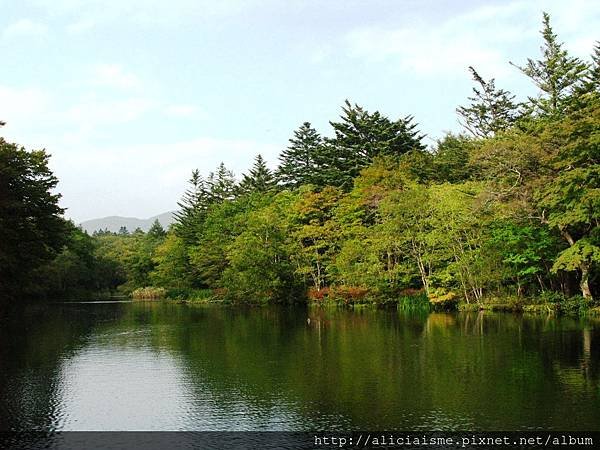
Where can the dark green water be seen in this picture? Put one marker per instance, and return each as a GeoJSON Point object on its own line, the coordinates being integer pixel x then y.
{"type": "Point", "coordinates": [156, 366]}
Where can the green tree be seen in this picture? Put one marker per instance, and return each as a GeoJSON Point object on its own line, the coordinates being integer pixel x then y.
{"type": "Point", "coordinates": [172, 267]}
{"type": "Point", "coordinates": [451, 157]}
{"type": "Point", "coordinates": [526, 250]}
{"type": "Point", "coordinates": [570, 198]}
{"type": "Point", "coordinates": [32, 230]}
{"type": "Point", "coordinates": [557, 74]}
{"type": "Point", "coordinates": [298, 162]}
{"type": "Point", "coordinates": [221, 185]}
{"type": "Point", "coordinates": [491, 110]}
{"type": "Point", "coordinates": [156, 231]}
{"type": "Point", "coordinates": [360, 137]}
{"type": "Point", "coordinates": [259, 178]}
{"type": "Point", "coordinates": [313, 233]}
{"type": "Point", "coordinates": [259, 263]}
{"type": "Point", "coordinates": [192, 208]}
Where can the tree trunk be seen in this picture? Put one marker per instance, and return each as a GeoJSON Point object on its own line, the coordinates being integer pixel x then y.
{"type": "Point", "coordinates": [584, 284]}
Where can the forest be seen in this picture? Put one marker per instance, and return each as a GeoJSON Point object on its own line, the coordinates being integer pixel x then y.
{"type": "Point", "coordinates": [506, 212]}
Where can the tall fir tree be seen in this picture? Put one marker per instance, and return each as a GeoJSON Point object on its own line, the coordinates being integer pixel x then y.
{"type": "Point", "coordinates": [491, 110]}
{"type": "Point", "coordinates": [192, 208]}
{"type": "Point", "coordinates": [222, 185]}
{"type": "Point", "coordinates": [360, 137]}
{"type": "Point", "coordinates": [557, 74]}
{"type": "Point", "coordinates": [593, 76]}
{"type": "Point", "coordinates": [298, 161]}
{"type": "Point", "coordinates": [156, 231]}
{"type": "Point", "coordinates": [258, 179]}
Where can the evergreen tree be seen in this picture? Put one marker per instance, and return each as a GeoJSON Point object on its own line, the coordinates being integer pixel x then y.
{"type": "Point", "coordinates": [593, 76]}
{"type": "Point", "coordinates": [221, 185]}
{"type": "Point", "coordinates": [491, 109]}
{"type": "Point", "coordinates": [193, 207]}
{"type": "Point", "coordinates": [156, 231]}
{"type": "Point", "coordinates": [297, 162]}
{"type": "Point", "coordinates": [123, 231]}
{"type": "Point", "coordinates": [361, 136]}
{"type": "Point", "coordinates": [32, 230]}
{"type": "Point", "coordinates": [556, 74]}
{"type": "Point", "coordinates": [259, 178]}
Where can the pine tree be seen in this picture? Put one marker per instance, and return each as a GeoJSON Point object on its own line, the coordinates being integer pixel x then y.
{"type": "Point", "coordinates": [491, 109]}
{"type": "Point", "coordinates": [297, 162]}
{"type": "Point", "coordinates": [593, 76]}
{"type": "Point", "coordinates": [221, 185]}
{"type": "Point", "coordinates": [156, 231]}
{"type": "Point", "coordinates": [193, 206]}
{"type": "Point", "coordinates": [359, 138]}
{"type": "Point", "coordinates": [259, 178]}
{"type": "Point", "coordinates": [556, 74]}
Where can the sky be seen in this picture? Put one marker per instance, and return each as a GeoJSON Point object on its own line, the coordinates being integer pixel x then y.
{"type": "Point", "coordinates": [129, 96]}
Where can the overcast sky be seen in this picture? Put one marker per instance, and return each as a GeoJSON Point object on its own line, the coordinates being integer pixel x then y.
{"type": "Point", "coordinates": [130, 95]}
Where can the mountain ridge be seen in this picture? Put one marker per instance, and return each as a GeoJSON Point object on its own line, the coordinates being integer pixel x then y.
{"type": "Point", "coordinates": [114, 223]}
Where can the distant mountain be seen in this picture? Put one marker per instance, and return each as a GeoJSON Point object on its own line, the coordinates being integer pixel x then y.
{"type": "Point", "coordinates": [114, 223]}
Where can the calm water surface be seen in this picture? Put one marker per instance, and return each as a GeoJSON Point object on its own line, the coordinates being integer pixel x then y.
{"type": "Point", "coordinates": [159, 366]}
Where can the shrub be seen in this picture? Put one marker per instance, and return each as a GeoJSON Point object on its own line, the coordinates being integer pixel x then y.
{"type": "Point", "coordinates": [149, 293]}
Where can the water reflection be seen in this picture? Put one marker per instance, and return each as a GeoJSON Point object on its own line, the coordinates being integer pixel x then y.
{"type": "Point", "coordinates": [154, 366]}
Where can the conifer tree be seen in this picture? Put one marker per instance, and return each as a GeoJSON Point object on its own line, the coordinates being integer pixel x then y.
{"type": "Point", "coordinates": [593, 77]}
{"type": "Point", "coordinates": [298, 161]}
{"type": "Point", "coordinates": [156, 231]}
{"type": "Point", "coordinates": [221, 185]}
{"type": "Point", "coordinates": [491, 109]}
{"type": "Point", "coordinates": [259, 178]}
{"type": "Point", "coordinates": [361, 136]}
{"type": "Point", "coordinates": [193, 206]}
{"type": "Point", "coordinates": [556, 74]}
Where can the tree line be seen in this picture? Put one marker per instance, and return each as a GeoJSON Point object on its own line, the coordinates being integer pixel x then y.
{"type": "Point", "coordinates": [508, 207]}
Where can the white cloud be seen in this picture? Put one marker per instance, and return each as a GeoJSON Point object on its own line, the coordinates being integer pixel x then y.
{"type": "Point", "coordinates": [183, 111]}
{"type": "Point", "coordinates": [93, 112]}
{"type": "Point", "coordinates": [114, 76]}
{"type": "Point", "coordinates": [80, 26]}
{"type": "Point", "coordinates": [20, 104]}
{"type": "Point", "coordinates": [23, 28]}
{"type": "Point", "coordinates": [153, 176]}
{"type": "Point", "coordinates": [152, 12]}
{"type": "Point", "coordinates": [483, 37]}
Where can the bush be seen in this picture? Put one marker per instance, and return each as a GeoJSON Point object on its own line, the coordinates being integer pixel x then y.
{"type": "Point", "coordinates": [443, 300]}
{"type": "Point", "coordinates": [189, 294]}
{"type": "Point", "coordinates": [574, 305]}
{"type": "Point", "coordinates": [149, 293]}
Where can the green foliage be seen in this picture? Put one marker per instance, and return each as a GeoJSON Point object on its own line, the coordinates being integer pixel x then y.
{"type": "Point", "coordinates": [172, 266]}
{"type": "Point", "coordinates": [259, 262]}
{"type": "Point", "coordinates": [32, 230]}
{"type": "Point", "coordinates": [259, 178]}
{"type": "Point", "coordinates": [192, 208]}
{"type": "Point", "coordinates": [298, 163]}
{"type": "Point", "coordinates": [360, 137]}
{"type": "Point", "coordinates": [557, 75]}
{"type": "Point", "coordinates": [451, 159]}
{"type": "Point", "coordinates": [156, 231]}
{"type": "Point", "coordinates": [491, 111]}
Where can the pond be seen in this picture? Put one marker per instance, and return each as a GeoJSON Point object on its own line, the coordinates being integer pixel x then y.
{"type": "Point", "coordinates": [165, 366]}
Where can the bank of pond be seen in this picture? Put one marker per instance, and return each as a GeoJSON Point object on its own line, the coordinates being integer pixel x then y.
{"type": "Point", "coordinates": [410, 299]}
